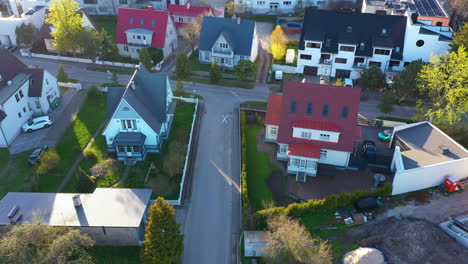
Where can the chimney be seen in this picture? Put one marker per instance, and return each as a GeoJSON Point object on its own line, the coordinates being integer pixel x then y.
{"type": "Point", "coordinates": [445, 149]}
{"type": "Point", "coordinates": [132, 84]}
{"type": "Point", "coordinates": [188, 5]}
{"type": "Point", "coordinates": [149, 7]}
{"type": "Point", "coordinates": [76, 200]}
{"type": "Point", "coordinates": [238, 20]}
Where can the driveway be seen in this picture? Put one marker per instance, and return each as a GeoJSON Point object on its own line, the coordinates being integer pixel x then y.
{"type": "Point", "coordinates": [27, 141]}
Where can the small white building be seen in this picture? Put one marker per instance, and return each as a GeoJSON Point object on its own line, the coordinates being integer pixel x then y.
{"type": "Point", "coordinates": [424, 156]}
{"type": "Point", "coordinates": [352, 42]}
{"type": "Point", "coordinates": [24, 92]}
{"type": "Point", "coordinates": [140, 116]}
{"type": "Point", "coordinates": [227, 41]}
{"type": "Point", "coordinates": [312, 126]}
{"type": "Point", "coordinates": [144, 28]}
{"type": "Point", "coordinates": [255, 243]}
{"type": "Point", "coordinates": [111, 7]}
{"type": "Point", "coordinates": [285, 6]}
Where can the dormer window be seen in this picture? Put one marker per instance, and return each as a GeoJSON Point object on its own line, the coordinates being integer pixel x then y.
{"type": "Point", "coordinates": [223, 45]}
{"type": "Point", "coordinates": [153, 23]}
{"type": "Point", "coordinates": [142, 21]}
{"type": "Point", "coordinates": [131, 21]}
{"type": "Point", "coordinates": [293, 107]}
{"type": "Point", "coordinates": [397, 49]}
{"type": "Point", "coordinates": [328, 42]}
{"type": "Point", "coordinates": [362, 45]}
{"type": "Point", "coordinates": [384, 31]}
{"type": "Point", "coordinates": [313, 45]}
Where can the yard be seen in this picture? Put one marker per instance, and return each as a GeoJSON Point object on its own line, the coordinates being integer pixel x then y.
{"type": "Point", "coordinates": [108, 23]}
{"type": "Point", "coordinates": [169, 162]}
{"type": "Point", "coordinates": [116, 255]}
{"type": "Point", "coordinates": [294, 45]}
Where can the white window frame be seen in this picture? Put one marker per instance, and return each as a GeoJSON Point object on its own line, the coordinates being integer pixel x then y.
{"type": "Point", "coordinates": [273, 130]}
{"type": "Point", "coordinates": [306, 135]}
{"type": "Point", "coordinates": [302, 163]}
{"type": "Point", "coordinates": [325, 137]}
{"type": "Point", "coordinates": [323, 154]}
{"type": "Point", "coordinates": [129, 124]}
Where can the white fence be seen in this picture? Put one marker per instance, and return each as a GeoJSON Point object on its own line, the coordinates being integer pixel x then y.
{"type": "Point", "coordinates": [189, 148]}
{"type": "Point", "coordinates": [76, 86]}
{"type": "Point", "coordinates": [89, 61]}
{"type": "Point", "coordinates": [283, 68]}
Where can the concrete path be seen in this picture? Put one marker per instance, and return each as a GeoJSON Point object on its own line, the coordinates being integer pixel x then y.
{"type": "Point", "coordinates": [263, 66]}
{"type": "Point", "coordinates": [124, 177]}
{"type": "Point", "coordinates": [80, 157]}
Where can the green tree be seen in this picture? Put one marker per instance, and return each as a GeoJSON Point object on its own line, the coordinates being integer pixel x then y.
{"type": "Point", "coordinates": [89, 43]}
{"type": "Point", "coordinates": [245, 70]}
{"type": "Point", "coordinates": [460, 38]}
{"type": "Point", "coordinates": [182, 66]}
{"type": "Point", "coordinates": [44, 244]}
{"type": "Point", "coordinates": [62, 76]}
{"type": "Point", "coordinates": [387, 101]}
{"type": "Point", "coordinates": [290, 242]}
{"type": "Point", "coordinates": [150, 56]}
{"type": "Point", "coordinates": [372, 78]}
{"type": "Point", "coordinates": [26, 35]}
{"type": "Point", "coordinates": [49, 160]}
{"type": "Point", "coordinates": [215, 73]}
{"type": "Point", "coordinates": [67, 23]}
{"type": "Point", "coordinates": [163, 240]}
{"type": "Point", "coordinates": [405, 84]}
{"type": "Point", "coordinates": [114, 79]}
{"type": "Point", "coordinates": [192, 30]}
{"type": "Point", "coordinates": [278, 43]}
{"type": "Point", "coordinates": [444, 83]}
{"type": "Point", "coordinates": [339, 82]}
{"type": "Point", "coordinates": [108, 47]}
{"type": "Point", "coordinates": [179, 87]}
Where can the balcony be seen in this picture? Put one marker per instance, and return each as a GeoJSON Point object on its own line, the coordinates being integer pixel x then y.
{"type": "Point", "coordinates": [359, 65]}
{"type": "Point", "coordinates": [393, 69]}
{"type": "Point", "coordinates": [325, 61]}
{"type": "Point", "coordinates": [134, 44]}
{"type": "Point", "coordinates": [223, 53]}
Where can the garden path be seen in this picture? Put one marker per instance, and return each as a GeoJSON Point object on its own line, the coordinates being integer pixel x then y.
{"type": "Point", "coordinates": [124, 177]}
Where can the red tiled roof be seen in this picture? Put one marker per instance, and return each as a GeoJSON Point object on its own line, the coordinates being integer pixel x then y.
{"type": "Point", "coordinates": [273, 109]}
{"type": "Point", "coordinates": [317, 94]}
{"type": "Point", "coordinates": [316, 124]}
{"type": "Point", "coordinates": [184, 10]}
{"type": "Point", "coordinates": [304, 149]}
{"type": "Point", "coordinates": [159, 29]}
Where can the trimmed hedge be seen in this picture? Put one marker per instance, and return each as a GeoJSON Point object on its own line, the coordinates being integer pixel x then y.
{"type": "Point", "coordinates": [397, 119]}
{"type": "Point", "coordinates": [332, 202]}
{"type": "Point", "coordinates": [245, 193]}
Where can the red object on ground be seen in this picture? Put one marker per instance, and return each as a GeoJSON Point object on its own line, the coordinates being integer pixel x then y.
{"type": "Point", "coordinates": [451, 183]}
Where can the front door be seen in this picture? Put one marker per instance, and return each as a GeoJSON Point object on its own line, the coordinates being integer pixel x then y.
{"type": "Point", "coordinates": [312, 71]}
{"type": "Point", "coordinates": [129, 151]}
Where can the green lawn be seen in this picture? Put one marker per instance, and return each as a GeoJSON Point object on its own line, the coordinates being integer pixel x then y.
{"type": "Point", "coordinates": [116, 255]}
{"type": "Point", "coordinates": [160, 181]}
{"type": "Point", "coordinates": [117, 71]}
{"type": "Point", "coordinates": [18, 176]}
{"type": "Point", "coordinates": [109, 23]}
{"type": "Point", "coordinates": [289, 45]}
{"type": "Point", "coordinates": [4, 156]}
{"type": "Point", "coordinates": [259, 167]}
{"type": "Point", "coordinates": [63, 89]}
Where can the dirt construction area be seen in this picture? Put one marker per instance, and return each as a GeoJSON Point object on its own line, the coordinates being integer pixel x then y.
{"type": "Point", "coordinates": [409, 232]}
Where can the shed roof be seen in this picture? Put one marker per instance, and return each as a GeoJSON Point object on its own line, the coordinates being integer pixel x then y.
{"type": "Point", "coordinates": [254, 243]}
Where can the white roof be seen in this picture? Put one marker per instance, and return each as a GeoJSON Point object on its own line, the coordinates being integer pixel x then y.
{"type": "Point", "coordinates": [254, 243]}
{"type": "Point", "coordinates": [106, 207]}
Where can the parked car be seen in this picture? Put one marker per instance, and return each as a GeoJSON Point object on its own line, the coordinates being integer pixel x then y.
{"type": "Point", "coordinates": [385, 135]}
{"type": "Point", "coordinates": [348, 82]}
{"type": "Point", "coordinates": [369, 150]}
{"type": "Point", "coordinates": [36, 154]}
{"type": "Point", "coordinates": [37, 123]}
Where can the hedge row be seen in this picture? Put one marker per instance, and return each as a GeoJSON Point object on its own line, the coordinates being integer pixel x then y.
{"type": "Point", "coordinates": [397, 119]}
{"type": "Point", "coordinates": [332, 202]}
{"type": "Point", "coordinates": [245, 195]}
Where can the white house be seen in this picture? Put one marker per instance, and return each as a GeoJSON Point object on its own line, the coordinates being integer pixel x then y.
{"type": "Point", "coordinates": [24, 92]}
{"type": "Point", "coordinates": [352, 42]}
{"type": "Point", "coordinates": [140, 116]}
{"type": "Point", "coordinates": [424, 156]}
{"type": "Point", "coordinates": [312, 126]}
{"type": "Point", "coordinates": [111, 7]}
{"type": "Point", "coordinates": [227, 41]}
{"type": "Point", "coordinates": [144, 28]}
{"type": "Point", "coordinates": [14, 16]}
{"type": "Point", "coordinates": [284, 6]}
{"type": "Point", "coordinates": [182, 15]}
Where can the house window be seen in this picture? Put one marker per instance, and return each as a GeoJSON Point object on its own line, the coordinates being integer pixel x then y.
{"type": "Point", "coordinates": [394, 63]}
{"type": "Point", "coordinates": [153, 23]}
{"type": "Point", "coordinates": [309, 109]}
{"type": "Point", "coordinates": [47, 81]}
{"type": "Point", "coordinates": [294, 162]}
{"type": "Point", "coordinates": [144, 37]}
{"type": "Point", "coordinates": [90, 2]}
{"type": "Point", "coordinates": [302, 163]}
{"type": "Point", "coordinates": [282, 149]}
{"type": "Point", "coordinates": [305, 134]}
{"type": "Point", "coordinates": [323, 154]}
{"type": "Point", "coordinates": [142, 21]}
{"type": "Point", "coordinates": [21, 94]}
{"type": "Point", "coordinates": [17, 97]}
{"type": "Point", "coordinates": [207, 56]}
{"type": "Point", "coordinates": [325, 110]}
{"type": "Point", "coordinates": [19, 114]}
{"type": "Point", "coordinates": [382, 52]}
{"type": "Point", "coordinates": [293, 106]}
{"type": "Point", "coordinates": [121, 149]}
{"type": "Point", "coordinates": [311, 164]}
{"type": "Point", "coordinates": [273, 130]}
{"type": "Point", "coordinates": [320, 3]}
{"type": "Point", "coordinates": [181, 19]}
{"type": "Point", "coordinates": [129, 124]}
{"type": "Point", "coordinates": [313, 45]}
{"type": "Point", "coordinates": [24, 109]}
{"type": "Point", "coordinates": [136, 149]}
{"type": "Point", "coordinates": [324, 137]}
{"type": "Point", "coordinates": [138, 37]}
{"type": "Point", "coordinates": [344, 112]}
{"type": "Point", "coordinates": [131, 21]}
{"type": "Point", "coordinates": [103, 9]}
{"type": "Point", "coordinates": [341, 60]}
{"type": "Point", "coordinates": [375, 63]}
{"type": "Point", "coordinates": [260, 2]}
{"type": "Point", "coordinates": [38, 105]}
{"type": "Point", "coordinates": [420, 43]}
{"type": "Point", "coordinates": [306, 57]}
{"type": "Point", "coordinates": [223, 45]}
{"type": "Point", "coordinates": [123, 2]}
{"type": "Point", "coordinates": [286, 2]}
{"type": "Point", "coordinates": [125, 48]}
{"type": "Point", "coordinates": [347, 48]}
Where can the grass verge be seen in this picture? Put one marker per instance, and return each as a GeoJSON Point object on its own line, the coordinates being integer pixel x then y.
{"type": "Point", "coordinates": [161, 182]}
{"type": "Point", "coordinates": [116, 255]}
{"type": "Point", "coordinates": [116, 71]}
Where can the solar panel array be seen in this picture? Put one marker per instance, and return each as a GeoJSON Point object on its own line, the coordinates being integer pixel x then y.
{"type": "Point", "coordinates": [428, 8]}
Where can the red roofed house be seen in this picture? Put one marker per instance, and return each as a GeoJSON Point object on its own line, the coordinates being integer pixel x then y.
{"type": "Point", "coordinates": [140, 28]}
{"type": "Point", "coordinates": [313, 123]}
{"type": "Point", "coordinates": [184, 14]}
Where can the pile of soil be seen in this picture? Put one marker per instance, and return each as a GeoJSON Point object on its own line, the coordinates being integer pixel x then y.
{"type": "Point", "coordinates": [409, 241]}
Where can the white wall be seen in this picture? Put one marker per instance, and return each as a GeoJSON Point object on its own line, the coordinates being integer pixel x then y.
{"type": "Point", "coordinates": [315, 134]}
{"type": "Point", "coordinates": [171, 37]}
{"type": "Point", "coordinates": [337, 158]}
{"type": "Point", "coordinates": [9, 25]}
{"type": "Point", "coordinates": [271, 136]}
{"type": "Point", "coordinates": [428, 176]}
{"type": "Point", "coordinates": [254, 52]}
{"type": "Point", "coordinates": [49, 87]}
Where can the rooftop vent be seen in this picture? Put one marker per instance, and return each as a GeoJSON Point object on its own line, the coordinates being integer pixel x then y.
{"type": "Point", "coordinates": [188, 5]}
{"type": "Point", "coordinates": [384, 31]}
{"type": "Point", "coordinates": [444, 149]}
{"type": "Point", "coordinates": [76, 200]}
{"type": "Point", "coordinates": [14, 215]}
{"type": "Point", "coordinates": [132, 84]}
{"type": "Point", "coordinates": [9, 82]}
{"type": "Point", "coordinates": [149, 7]}
{"type": "Point", "coordinates": [349, 29]}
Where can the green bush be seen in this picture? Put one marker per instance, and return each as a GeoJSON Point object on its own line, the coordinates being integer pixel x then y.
{"type": "Point", "coordinates": [84, 184]}
{"type": "Point", "coordinates": [245, 193]}
{"type": "Point", "coordinates": [387, 101]}
{"type": "Point", "coordinates": [331, 202]}
{"type": "Point", "coordinates": [93, 91]}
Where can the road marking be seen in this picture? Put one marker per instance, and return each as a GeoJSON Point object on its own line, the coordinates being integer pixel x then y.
{"type": "Point", "coordinates": [225, 119]}
{"type": "Point", "coordinates": [236, 95]}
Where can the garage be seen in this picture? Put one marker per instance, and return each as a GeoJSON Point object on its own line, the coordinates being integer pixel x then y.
{"type": "Point", "coordinates": [311, 71]}
{"type": "Point", "coordinates": [342, 73]}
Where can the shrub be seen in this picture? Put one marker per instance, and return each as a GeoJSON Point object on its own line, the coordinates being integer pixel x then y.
{"type": "Point", "coordinates": [48, 161]}
{"type": "Point", "coordinates": [387, 102]}
{"type": "Point", "coordinates": [372, 78]}
{"type": "Point", "coordinates": [62, 76]}
{"type": "Point", "coordinates": [245, 70]}
{"type": "Point", "coordinates": [93, 91]}
{"type": "Point", "coordinates": [103, 168]}
{"type": "Point", "coordinates": [90, 153]}
{"type": "Point", "coordinates": [182, 66]}
{"type": "Point", "coordinates": [84, 184]}
{"type": "Point", "coordinates": [215, 73]}
{"type": "Point", "coordinates": [245, 194]}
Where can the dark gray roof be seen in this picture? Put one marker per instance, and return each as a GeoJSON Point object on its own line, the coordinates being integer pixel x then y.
{"type": "Point", "coordinates": [114, 95]}
{"type": "Point", "coordinates": [129, 138]}
{"type": "Point", "coordinates": [146, 93]}
{"type": "Point", "coordinates": [420, 146]}
{"type": "Point", "coordinates": [10, 66]}
{"type": "Point", "coordinates": [238, 36]}
{"type": "Point", "coordinates": [353, 29]}
{"type": "Point", "coordinates": [2, 115]}
{"type": "Point", "coordinates": [35, 90]}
